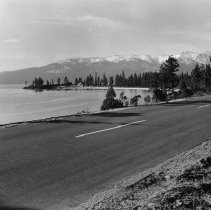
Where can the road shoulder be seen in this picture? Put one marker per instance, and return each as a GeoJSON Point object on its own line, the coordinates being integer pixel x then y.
{"type": "Point", "coordinates": [183, 181]}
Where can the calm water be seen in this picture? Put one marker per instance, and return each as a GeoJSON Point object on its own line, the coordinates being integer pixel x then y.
{"type": "Point", "coordinates": [18, 105]}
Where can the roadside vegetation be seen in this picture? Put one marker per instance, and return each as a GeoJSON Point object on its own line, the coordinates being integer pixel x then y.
{"type": "Point", "coordinates": [110, 102]}
{"type": "Point", "coordinates": [167, 83]}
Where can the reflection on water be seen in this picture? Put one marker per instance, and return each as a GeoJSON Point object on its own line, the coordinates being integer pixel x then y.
{"type": "Point", "coordinates": [18, 105]}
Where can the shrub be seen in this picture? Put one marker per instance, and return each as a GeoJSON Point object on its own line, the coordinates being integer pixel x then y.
{"type": "Point", "coordinates": [186, 93]}
{"type": "Point", "coordinates": [134, 100]}
{"type": "Point", "coordinates": [111, 103]}
{"type": "Point", "coordinates": [107, 103]}
{"type": "Point", "coordinates": [184, 90]}
{"type": "Point", "coordinates": [117, 104]}
{"type": "Point", "coordinates": [147, 99]}
{"type": "Point", "coordinates": [182, 94]}
{"type": "Point", "coordinates": [159, 95]}
{"type": "Point", "coordinates": [206, 162]}
{"type": "Point", "coordinates": [126, 102]}
{"type": "Point", "coordinates": [110, 93]}
{"type": "Point", "coordinates": [206, 187]}
{"type": "Point", "coordinates": [124, 99]}
{"type": "Point", "coordinates": [189, 92]}
{"type": "Point", "coordinates": [191, 174]}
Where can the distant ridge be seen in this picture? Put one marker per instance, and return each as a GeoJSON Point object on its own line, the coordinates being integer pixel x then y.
{"type": "Point", "coordinates": [82, 66]}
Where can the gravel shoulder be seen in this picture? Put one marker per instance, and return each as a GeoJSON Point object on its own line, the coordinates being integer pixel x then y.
{"type": "Point", "coordinates": [182, 182]}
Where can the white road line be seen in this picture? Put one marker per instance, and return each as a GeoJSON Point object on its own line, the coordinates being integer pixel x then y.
{"type": "Point", "coordinates": [99, 131]}
{"type": "Point", "coordinates": [203, 106]}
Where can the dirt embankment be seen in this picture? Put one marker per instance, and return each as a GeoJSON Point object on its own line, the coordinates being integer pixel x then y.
{"type": "Point", "coordinates": [183, 182]}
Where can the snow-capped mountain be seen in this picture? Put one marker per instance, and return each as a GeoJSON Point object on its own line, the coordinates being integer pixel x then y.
{"type": "Point", "coordinates": [185, 57]}
{"type": "Point", "coordinates": [111, 65]}
{"type": "Point", "coordinates": [114, 59]}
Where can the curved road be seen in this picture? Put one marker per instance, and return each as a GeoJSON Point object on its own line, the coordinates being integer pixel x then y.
{"type": "Point", "coordinates": [58, 164]}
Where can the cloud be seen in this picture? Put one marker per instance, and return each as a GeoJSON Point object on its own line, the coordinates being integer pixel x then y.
{"type": "Point", "coordinates": [12, 40]}
{"type": "Point", "coordinates": [57, 20]}
{"type": "Point", "coordinates": [207, 24]}
{"type": "Point", "coordinates": [91, 20]}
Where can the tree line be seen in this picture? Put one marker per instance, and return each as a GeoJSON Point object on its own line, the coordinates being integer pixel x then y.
{"type": "Point", "coordinates": [162, 82]}
{"type": "Point", "coordinates": [167, 77]}
{"type": "Point", "coordinates": [38, 82]}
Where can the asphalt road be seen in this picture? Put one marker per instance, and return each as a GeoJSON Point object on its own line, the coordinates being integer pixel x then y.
{"type": "Point", "coordinates": [58, 164]}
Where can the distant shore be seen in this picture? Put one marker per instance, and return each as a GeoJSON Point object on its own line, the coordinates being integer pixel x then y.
{"type": "Point", "coordinates": [85, 88]}
{"type": "Point", "coordinates": [105, 88]}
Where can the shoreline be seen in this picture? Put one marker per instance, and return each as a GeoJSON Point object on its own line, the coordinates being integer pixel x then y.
{"type": "Point", "coordinates": [105, 88]}
{"type": "Point", "coordinates": [59, 88]}
{"type": "Point", "coordinates": [8, 125]}
{"type": "Point", "coordinates": [13, 124]}
{"type": "Point", "coordinates": [40, 117]}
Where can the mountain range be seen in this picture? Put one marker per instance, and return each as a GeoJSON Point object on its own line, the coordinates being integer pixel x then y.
{"type": "Point", "coordinates": [82, 66]}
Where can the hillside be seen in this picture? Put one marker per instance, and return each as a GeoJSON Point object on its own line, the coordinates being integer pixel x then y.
{"type": "Point", "coordinates": [81, 67]}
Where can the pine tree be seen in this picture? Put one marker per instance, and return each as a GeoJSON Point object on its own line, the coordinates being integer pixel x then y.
{"type": "Point", "coordinates": [168, 70]}
{"type": "Point", "coordinates": [139, 80]}
{"type": "Point", "coordinates": [58, 81]}
{"type": "Point", "coordinates": [110, 92]}
{"type": "Point", "coordinates": [123, 79]}
{"type": "Point", "coordinates": [135, 80]}
{"type": "Point", "coordinates": [196, 78]}
{"type": "Point", "coordinates": [155, 80]}
{"type": "Point", "coordinates": [182, 85]}
{"type": "Point", "coordinates": [104, 81]}
{"type": "Point", "coordinates": [96, 81]}
{"type": "Point", "coordinates": [40, 82]}
{"type": "Point", "coordinates": [144, 79]}
{"type": "Point", "coordinates": [117, 80]}
{"type": "Point", "coordinates": [35, 82]}
{"type": "Point", "coordinates": [89, 80]}
{"type": "Point", "coordinates": [111, 81]}
{"type": "Point", "coordinates": [130, 81]}
{"type": "Point", "coordinates": [80, 80]}
{"type": "Point", "coordinates": [47, 83]}
{"type": "Point", "coordinates": [66, 81]}
{"type": "Point", "coordinates": [208, 77]}
{"type": "Point", "coordinates": [76, 81]}
{"type": "Point", "coordinates": [110, 101]}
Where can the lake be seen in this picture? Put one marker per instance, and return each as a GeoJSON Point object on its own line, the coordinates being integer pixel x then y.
{"type": "Point", "coordinates": [17, 104]}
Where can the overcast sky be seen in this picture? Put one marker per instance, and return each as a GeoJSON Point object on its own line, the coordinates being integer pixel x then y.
{"type": "Point", "coordinates": [38, 32]}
